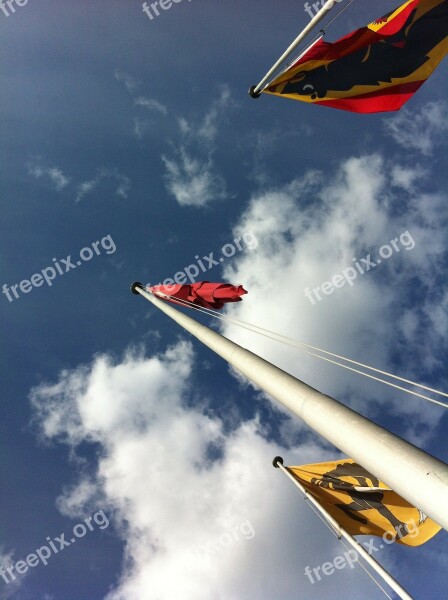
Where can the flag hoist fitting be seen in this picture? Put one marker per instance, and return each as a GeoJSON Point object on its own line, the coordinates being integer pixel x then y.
{"type": "Point", "coordinates": [412, 473]}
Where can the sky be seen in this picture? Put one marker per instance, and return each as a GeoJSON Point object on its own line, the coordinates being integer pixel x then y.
{"type": "Point", "coordinates": [130, 152]}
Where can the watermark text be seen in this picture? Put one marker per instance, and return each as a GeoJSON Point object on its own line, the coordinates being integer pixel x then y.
{"type": "Point", "coordinates": [151, 9]}
{"type": "Point", "coordinates": [60, 267]}
{"type": "Point", "coordinates": [42, 555]}
{"type": "Point", "coordinates": [351, 557]}
{"type": "Point", "coordinates": [190, 273]}
{"type": "Point", "coordinates": [244, 531]}
{"type": "Point", "coordinates": [316, 6]}
{"type": "Point", "coordinates": [7, 6]}
{"type": "Point", "coordinates": [349, 274]}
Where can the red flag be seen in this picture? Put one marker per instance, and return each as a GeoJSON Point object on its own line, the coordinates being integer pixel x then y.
{"type": "Point", "coordinates": [373, 69]}
{"type": "Point", "coordinates": [203, 293]}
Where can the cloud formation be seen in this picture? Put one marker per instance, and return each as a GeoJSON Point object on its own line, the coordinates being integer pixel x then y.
{"type": "Point", "coordinates": [53, 175]}
{"type": "Point", "coordinates": [314, 228]}
{"type": "Point", "coordinates": [123, 184]}
{"type": "Point", "coordinates": [182, 487]}
{"type": "Point", "coordinates": [127, 80]}
{"type": "Point", "coordinates": [420, 131]}
{"type": "Point", "coordinates": [191, 181]}
{"type": "Point", "coordinates": [150, 104]}
{"type": "Point", "coordinates": [185, 497]}
{"type": "Point", "coordinates": [14, 584]}
{"type": "Point", "coordinates": [190, 173]}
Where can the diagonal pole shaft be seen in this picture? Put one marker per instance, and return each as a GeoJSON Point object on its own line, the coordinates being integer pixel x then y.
{"type": "Point", "coordinates": [412, 473]}
{"type": "Point", "coordinates": [257, 89]}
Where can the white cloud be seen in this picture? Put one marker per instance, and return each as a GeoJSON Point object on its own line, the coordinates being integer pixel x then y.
{"type": "Point", "coordinates": [54, 175]}
{"type": "Point", "coordinates": [140, 127]}
{"type": "Point", "coordinates": [9, 583]}
{"type": "Point", "coordinates": [193, 182]}
{"type": "Point", "coordinates": [123, 184]}
{"type": "Point", "coordinates": [59, 181]}
{"type": "Point", "coordinates": [308, 232]}
{"type": "Point", "coordinates": [213, 523]}
{"type": "Point", "coordinates": [129, 82]}
{"type": "Point", "coordinates": [208, 128]}
{"type": "Point", "coordinates": [175, 508]}
{"type": "Point", "coordinates": [150, 104]}
{"type": "Point", "coordinates": [183, 126]}
{"type": "Point", "coordinates": [191, 176]}
{"type": "Point", "coordinates": [86, 187]}
{"type": "Point", "coordinates": [142, 124]}
{"type": "Point", "coordinates": [123, 187]}
{"type": "Point", "coordinates": [225, 527]}
{"type": "Point", "coordinates": [407, 177]}
{"type": "Point", "coordinates": [58, 178]}
{"type": "Point", "coordinates": [422, 131]}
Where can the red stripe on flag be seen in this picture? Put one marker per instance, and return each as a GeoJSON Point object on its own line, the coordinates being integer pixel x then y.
{"type": "Point", "coordinates": [383, 100]}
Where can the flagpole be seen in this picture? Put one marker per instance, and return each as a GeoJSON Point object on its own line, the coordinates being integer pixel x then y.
{"type": "Point", "coordinates": [255, 90]}
{"type": "Point", "coordinates": [393, 583]}
{"type": "Point", "coordinates": [412, 473]}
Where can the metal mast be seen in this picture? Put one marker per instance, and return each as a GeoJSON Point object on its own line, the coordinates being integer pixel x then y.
{"type": "Point", "coordinates": [414, 474]}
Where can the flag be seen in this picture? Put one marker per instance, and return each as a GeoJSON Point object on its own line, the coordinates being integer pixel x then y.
{"type": "Point", "coordinates": [373, 69]}
{"type": "Point", "coordinates": [362, 504]}
{"type": "Point", "coordinates": [202, 293]}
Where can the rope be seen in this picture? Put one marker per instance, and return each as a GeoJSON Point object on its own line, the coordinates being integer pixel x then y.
{"type": "Point", "coordinates": [336, 16]}
{"type": "Point", "coordinates": [302, 346]}
{"type": "Point", "coordinates": [316, 37]}
{"type": "Point", "coordinates": [338, 535]}
{"type": "Point", "coordinates": [334, 531]}
{"type": "Point", "coordinates": [368, 573]}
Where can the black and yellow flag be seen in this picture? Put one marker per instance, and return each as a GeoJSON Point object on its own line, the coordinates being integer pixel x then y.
{"type": "Point", "coordinates": [362, 504]}
{"type": "Point", "coordinates": [373, 69]}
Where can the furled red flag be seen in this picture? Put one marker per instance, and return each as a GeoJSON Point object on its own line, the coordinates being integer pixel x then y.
{"type": "Point", "coordinates": [373, 69]}
{"type": "Point", "coordinates": [203, 293]}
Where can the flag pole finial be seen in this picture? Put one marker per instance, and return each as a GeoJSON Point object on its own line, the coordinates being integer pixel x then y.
{"type": "Point", "coordinates": [278, 460]}
{"type": "Point", "coordinates": [252, 93]}
{"type": "Point", "coordinates": [135, 285]}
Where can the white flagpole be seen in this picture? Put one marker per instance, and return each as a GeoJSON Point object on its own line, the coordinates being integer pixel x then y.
{"type": "Point", "coordinates": [412, 473]}
{"type": "Point", "coordinates": [393, 583]}
{"type": "Point", "coordinates": [256, 90]}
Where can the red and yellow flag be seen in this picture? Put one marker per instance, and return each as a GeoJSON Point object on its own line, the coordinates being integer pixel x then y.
{"type": "Point", "coordinates": [373, 69]}
{"type": "Point", "coordinates": [362, 504]}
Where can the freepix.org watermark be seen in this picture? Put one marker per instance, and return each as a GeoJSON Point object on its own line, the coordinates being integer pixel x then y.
{"type": "Point", "coordinates": [60, 267]}
{"type": "Point", "coordinates": [364, 265]}
{"type": "Point", "coordinates": [7, 6]}
{"type": "Point", "coordinates": [248, 241]}
{"type": "Point", "coordinates": [244, 531]}
{"type": "Point", "coordinates": [350, 558]}
{"type": "Point", "coordinates": [151, 9]}
{"type": "Point", "coordinates": [42, 555]}
{"type": "Point", "coordinates": [316, 6]}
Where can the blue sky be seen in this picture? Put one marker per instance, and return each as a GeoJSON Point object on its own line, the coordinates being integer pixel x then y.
{"type": "Point", "coordinates": [138, 135]}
